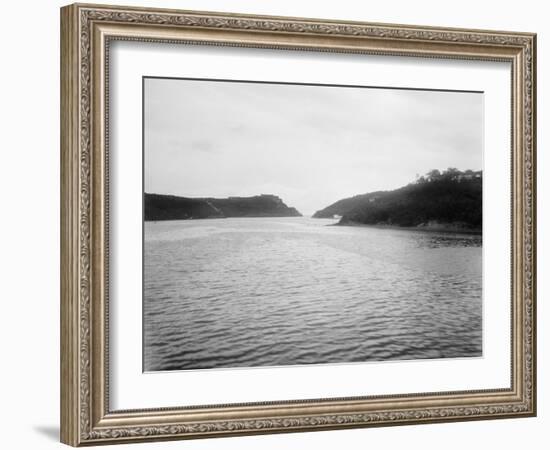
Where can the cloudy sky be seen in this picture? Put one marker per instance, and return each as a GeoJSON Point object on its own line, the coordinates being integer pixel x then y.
{"type": "Point", "coordinates": [310, 145]}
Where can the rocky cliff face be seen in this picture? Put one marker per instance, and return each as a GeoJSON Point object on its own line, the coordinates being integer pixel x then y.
{"type": "Point", "coordinates": [169, 207]}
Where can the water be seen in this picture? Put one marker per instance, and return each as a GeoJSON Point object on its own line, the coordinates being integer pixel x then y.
{"type": "Point", "coordinates": [283, 291]}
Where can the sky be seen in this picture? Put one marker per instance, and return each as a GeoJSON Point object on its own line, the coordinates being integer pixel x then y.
{"type": "Point", "coordinates": [309, 145]}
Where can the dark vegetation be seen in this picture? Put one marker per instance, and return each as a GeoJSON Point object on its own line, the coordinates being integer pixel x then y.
{"type": "Point", "coordinates": [169, 207]}
{"type": "Point", "coordinates": [450, 198]}
{"type": "Point", "coordinates": [346, 205]}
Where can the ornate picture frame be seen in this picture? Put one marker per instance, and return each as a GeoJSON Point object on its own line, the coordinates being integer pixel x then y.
{"type": "Point", "coordinates": [87, 31]}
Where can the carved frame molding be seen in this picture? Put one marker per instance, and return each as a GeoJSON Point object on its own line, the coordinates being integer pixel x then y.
{"type": "Point", "coordinates": [86, 31]}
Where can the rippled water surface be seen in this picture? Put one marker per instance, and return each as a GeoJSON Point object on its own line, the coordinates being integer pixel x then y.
{"type": "Point", "coordinates": [280, 291]}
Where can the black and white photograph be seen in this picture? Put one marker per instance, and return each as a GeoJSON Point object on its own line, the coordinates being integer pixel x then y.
{"type": "Point", "coordinates": [276, 219]}
{"type": "Point", "coordinates": [291, 224]}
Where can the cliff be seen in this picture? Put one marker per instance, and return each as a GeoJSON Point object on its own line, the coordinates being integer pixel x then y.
{"type": "Point", "coordinates": [450, 200]}
{"type": "Point", "coordinates": [169, 207]}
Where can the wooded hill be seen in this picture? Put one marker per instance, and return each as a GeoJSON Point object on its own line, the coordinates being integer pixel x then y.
{"type": "Point", "coordinates": [170, 207]}
{"type": "Point", "coordinates": [451, 198]}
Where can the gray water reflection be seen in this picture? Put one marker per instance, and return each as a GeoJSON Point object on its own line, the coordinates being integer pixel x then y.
{"type": "Point", "coordinates": [284, 291]}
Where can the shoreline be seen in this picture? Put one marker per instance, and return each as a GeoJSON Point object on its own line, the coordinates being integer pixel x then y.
{"type": "Point", "coordinates": [432, 228]}
{"type": "Point", "coordinates": [191, 219]}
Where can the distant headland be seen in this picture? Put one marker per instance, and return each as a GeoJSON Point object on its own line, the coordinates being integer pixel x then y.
{"type": "Point", "coordinates": [450, 200]}
{"type": "Point", "coordinates": [170, 207]}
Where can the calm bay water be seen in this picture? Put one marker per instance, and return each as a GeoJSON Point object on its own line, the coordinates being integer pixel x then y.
{"type": "Point", "coordinates": [281, 291]}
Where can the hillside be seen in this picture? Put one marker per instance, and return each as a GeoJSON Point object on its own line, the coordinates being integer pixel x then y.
{"type": "Point", "coordinates": [448, 200]}
{"type": "Point", "coordinates": [169, 207]}
{"type": "Point", "coordinates": [345, 205]}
